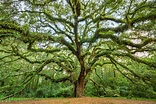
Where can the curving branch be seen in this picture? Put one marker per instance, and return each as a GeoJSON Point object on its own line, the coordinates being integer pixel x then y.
{"type": "Point", "coordinates": [134, 58]}
{"type": "Point", "coordinates": [109, 35]}
{"type": "Point", "coordinates": [121, 71]}
{"type": "Point", "coordinates": [69, 45]}
{"type": "Point", "coordinates": [63, 79]}
{"type": "Point", "coordinates": [150, 16]}
{"type": "Point", "coordinates": [125, 67]}
{"type": "Point", "coordinates": [7, 27]}
{"type": "Point", "coordinates": [102, 18]}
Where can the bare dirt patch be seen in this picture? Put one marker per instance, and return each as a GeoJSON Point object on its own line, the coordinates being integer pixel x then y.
{"type": "Point", "coordinates": [84, 100]}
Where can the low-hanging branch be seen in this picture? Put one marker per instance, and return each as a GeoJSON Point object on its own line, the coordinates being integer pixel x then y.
{"type": "Point", "coordinates": [135, 58]}
{"type": "Point", "coordinates": [63, 79]}
{"type": "Point", "coordinates": [11, 95]}
{"type": "Point", "coordinates": [30, 45]}
{"type": "Point", "coordinates": [23, 85]}
{"type": "Point", "coordinates": [131, 71]}
{"type": "Point", "coordinates": [125, 67]}
{"type": "Point", "coordinates": [114, 53]}
{"type": "Point", "coordinates": [16, 53]}
{"type": "Point", "coordinates": [121, 71]}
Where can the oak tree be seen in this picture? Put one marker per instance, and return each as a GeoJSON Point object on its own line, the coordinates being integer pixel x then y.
{"type": "Point", "coordinates": [75, 36]}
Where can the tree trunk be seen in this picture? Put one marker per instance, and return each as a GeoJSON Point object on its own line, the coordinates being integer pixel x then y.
{"type": "Point", "coordinates": [79, 86]}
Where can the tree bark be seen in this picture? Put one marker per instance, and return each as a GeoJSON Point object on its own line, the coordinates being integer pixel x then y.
{"type": "Point", "coordinates": [79, 86]}
{"type": "Point", "coordinates": [80, 83]}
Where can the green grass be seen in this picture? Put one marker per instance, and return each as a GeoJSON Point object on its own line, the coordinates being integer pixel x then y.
{"type": "Point", "coordinates": [16, 99]}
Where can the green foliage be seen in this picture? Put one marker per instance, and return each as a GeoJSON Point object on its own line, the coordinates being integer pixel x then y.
{"type": "Point", "coordinates": [90, 90]}
{"type": "Point", "coordinates": [110, 83]}
{"type": "Point", "coordinates": [48, 91]}
{"type": "Point", "coordinates": [142, 90]}
{"type": "Point", "coordinates": [40, 92]}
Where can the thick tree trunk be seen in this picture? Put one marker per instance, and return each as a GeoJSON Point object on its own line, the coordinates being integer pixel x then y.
{"type": "Point", "coordinates": [80, 85]}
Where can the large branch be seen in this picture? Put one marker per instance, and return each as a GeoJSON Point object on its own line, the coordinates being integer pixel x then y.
{"type": "Point", "coordinates": [58, 30]}
{"type": "Point", "coordinates": [63, 79]}
{"type": "Point", "coordinates": [102, 18]}
{"type": "Point", "coordinates": [17, 53]}
{"type": "Point", "coordinates": [30, 48]}
{"type": "Point", "coordinates": [8, 33]}
{"type": "Point", "coordinates": [120, 41]}
{"type": "Point", "coordinates": [69, 45]}
{"type": "Point", "coordinates": [13, 94]}
{"type": "Point", "coordinates": [11, 27]}
{"type": "Point", "coordinates": [125, 67]}
{"type": "Point", "coordinates": [141, 6]}
{"type": "Point", "coordinates": [90, 15]}
{"type": "Point", "coordinates": [44, 37]}
{"type": "Point", "coordinates": [126, 76]}
{"type": "Point", "coordinates": [109, 35]}
{"type": "Point", "coordinates": [135, 58]}
{"type": "Point", "coordinates": [10, 61]}
{"type": "Point", "coordinates": [150, 16]}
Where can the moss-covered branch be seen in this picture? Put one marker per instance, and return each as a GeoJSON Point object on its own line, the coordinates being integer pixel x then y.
{"type": "Point", "coordinates": [115, 62]}
{"type": "Point", "coordinates": [151, 16]}
{"type": "Point", "coordinates": [121, 71]}
{"type": "Point", "coordinates": [69, 45]}
{"type": "Point", "coordinates": [109, 35]}
{"type": "Point", "coordinates": [102, 18]}
{"type": "Point", "coordinates": [47, 77]}
{"type": "Point", "coordinates": [135, 58]}
{"type": "Point", "coordinates": [8, 27]}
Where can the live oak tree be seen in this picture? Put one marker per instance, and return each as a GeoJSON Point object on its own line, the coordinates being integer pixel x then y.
{"type": "Point", "coordinates": [76, 36]}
